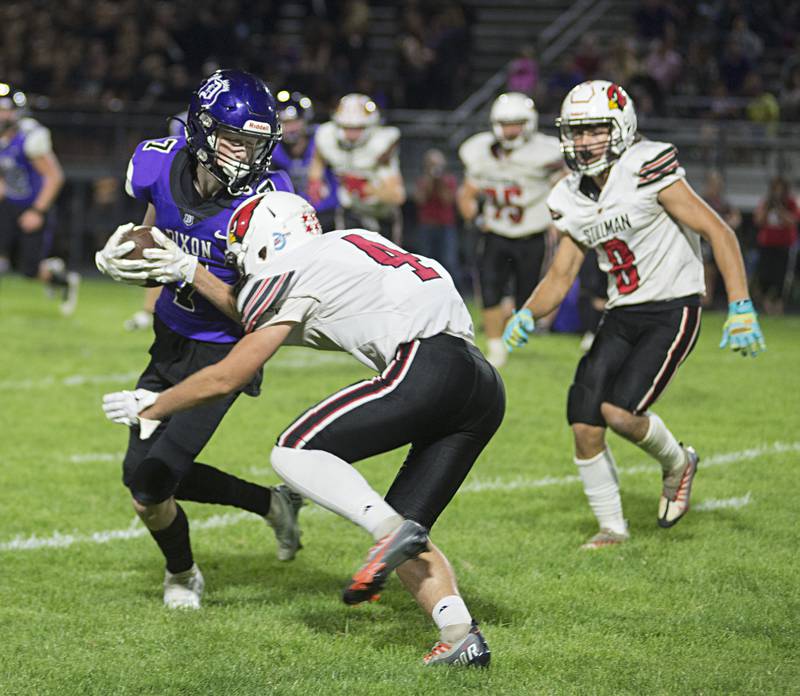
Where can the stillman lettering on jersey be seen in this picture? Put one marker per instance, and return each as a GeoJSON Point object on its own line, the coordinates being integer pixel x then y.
{"type": "Point", "coordinates": [606, 229]}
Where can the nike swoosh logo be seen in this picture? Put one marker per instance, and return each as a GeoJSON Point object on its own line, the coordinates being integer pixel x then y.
{"type": "Point", "coordinates": [219, 234]}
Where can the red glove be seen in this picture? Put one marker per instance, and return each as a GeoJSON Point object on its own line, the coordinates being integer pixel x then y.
{"type": "Point", "coordinates": [355, 185]}
{"type": "Point", "coordinates": [314, 190]}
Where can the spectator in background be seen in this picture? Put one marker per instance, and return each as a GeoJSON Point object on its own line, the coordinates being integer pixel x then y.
{"type": "Point", "coordinates": [762, 106]}
{"type": "Point", "coordinates": [434, 196]}
{"type": "Point", "coordinates": [776, 218]}
{"type": "Point", "coordinates": [790, 96]}
{"type": "Point", "coordinates": [651, 18]}
{"type": "Point", "coordinates": [414, 59]}
{"type": "Point", "coordinates": [523, 72]}
{"type": "Point", "coordinates": [750, 45]}
{"type": "Point", "coordinates": [714, 195]}
{"type": "Point", "coordinates": [587, 56]}
{"type": "Point", "coordinates": [622, 63]}
{"type": "Point", "coordinates": [734, 67]}
{"type": "Point", "coordinates": [663, 62]}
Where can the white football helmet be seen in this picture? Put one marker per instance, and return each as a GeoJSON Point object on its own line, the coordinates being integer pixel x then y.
{"type": "Point", "coordinates": [355, 111]}
{"type": "Point", "coordinates": [513, 107]}
{"type": "Point", "coordinates": [596, 103]}
{"type": "Point", "coordinates": [268, 225]}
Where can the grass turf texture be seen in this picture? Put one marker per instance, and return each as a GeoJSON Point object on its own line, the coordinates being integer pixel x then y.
{"type": "Point", "coordinates": [709, 606]}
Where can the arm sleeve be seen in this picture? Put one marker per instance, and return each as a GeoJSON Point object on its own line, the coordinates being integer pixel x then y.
{"type": "Point", "coordinates": [261, 298]}
{"type": "Point", "coordinates": [293, 310]}
{"type": "Point", "coordinates": [659, 170]}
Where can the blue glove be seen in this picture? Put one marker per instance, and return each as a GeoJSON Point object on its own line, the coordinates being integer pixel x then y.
{"type": "Point", "coordinates": [741, 329]}
{"type": "Point", "coordinates": [517, 330]}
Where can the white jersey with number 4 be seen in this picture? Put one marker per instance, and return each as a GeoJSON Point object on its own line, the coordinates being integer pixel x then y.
{"type": "Point", "coordinates": [355, 291]}
{"type": "Point", "coordinates": [368, 162]}
{"type": "Point", "coordinates": [515, 183]}
{"type": "Point", "coordinates": [649, 256]}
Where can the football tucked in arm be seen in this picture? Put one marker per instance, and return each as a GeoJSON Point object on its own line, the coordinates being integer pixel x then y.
{"type": "Point", "coordinates": [142, 238]}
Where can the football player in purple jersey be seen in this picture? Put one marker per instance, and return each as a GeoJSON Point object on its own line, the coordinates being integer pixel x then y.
{"type": "Point", "coordinates": [296, 151]}
{"type": "Point", "coordinates": [30, 181]}
{"type": "Point", "coordinates": [192, 183]}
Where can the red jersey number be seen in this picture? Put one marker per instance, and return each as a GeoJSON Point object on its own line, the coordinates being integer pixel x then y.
{"type": "Point", "coordinates": [623, 265]}
{"type": "Point", "coordinates": [387, 256]}
{"type": "Point", "coordinates": [503, 205]}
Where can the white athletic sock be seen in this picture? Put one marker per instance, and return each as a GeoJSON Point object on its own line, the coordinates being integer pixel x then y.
{"type": "Point", "coordinates": [452, 618]}
{"type": "Point", "coordinates": [336, 485]}
{"type": "Point", "coordinates": [599, 476]}
{"type": "Point", "coordinates": [661, 444]}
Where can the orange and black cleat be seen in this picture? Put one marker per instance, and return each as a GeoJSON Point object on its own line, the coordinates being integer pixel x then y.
{"type": "Point", "coordinates": [408, 541]}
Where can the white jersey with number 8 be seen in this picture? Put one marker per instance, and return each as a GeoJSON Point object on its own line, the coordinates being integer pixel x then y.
{"type": "Point", "coordinates": [649, 256]}
{"type": "Point", "coordinates": [355, 291]}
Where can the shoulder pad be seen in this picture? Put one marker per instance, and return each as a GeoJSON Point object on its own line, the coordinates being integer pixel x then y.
{"type": "Point", "coordinates": [260, 295]}
{"type": "Point", "coordinates": [476, 147]}
{"type": "Point", "coordinates": [652, 160]}
{"type": "Point", "coordinates": [147, 163]}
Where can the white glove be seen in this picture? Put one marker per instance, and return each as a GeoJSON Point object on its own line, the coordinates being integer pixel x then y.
{"type": "Point", "coordinates": [109, 259]}
{"type": "Point", "coordinates": [169, 264]}
{"type": "Point", "coordinates": [124, 408]}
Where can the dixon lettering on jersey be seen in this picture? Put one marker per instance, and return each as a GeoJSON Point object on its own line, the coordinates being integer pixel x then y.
{"type": "Point", "coordinates": [191, 245]}
{"type": "Point", "coordinates": [608, 228]}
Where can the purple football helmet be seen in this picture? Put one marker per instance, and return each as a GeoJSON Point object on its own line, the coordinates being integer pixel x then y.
{"type": "Point", "coordinates": [239, 107]}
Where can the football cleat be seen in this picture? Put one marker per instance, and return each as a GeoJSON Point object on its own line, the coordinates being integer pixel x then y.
{"type": "Point", "coordinates": [407, 541]}
{"type": "Point", "coordinates": [69, 300]}
{"type": "Point", "coordinates": [140, 320]}
{"type": "Point", "coordinates": [605, 537]}
{"type": "Point", "coordinates": [471, 651]}
{"type": "Point", "coordinates": [674, 502]}
{"type": "Point", "coordinates": [183, 590]}
{"type": "Point", "coordinates": [284, 507]}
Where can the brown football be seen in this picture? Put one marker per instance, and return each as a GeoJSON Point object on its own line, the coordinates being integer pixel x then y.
{"type": "Point", "coordinates": [144, 240]}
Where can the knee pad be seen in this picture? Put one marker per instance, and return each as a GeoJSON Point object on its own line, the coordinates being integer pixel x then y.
{"type": "Point", "coordinates": [152, 482]}
{"type": "Point", "coordinates": [583, 406]}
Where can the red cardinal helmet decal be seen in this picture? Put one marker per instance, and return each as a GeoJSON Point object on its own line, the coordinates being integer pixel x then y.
{"type": "Point", "coordinates": [616, 97]}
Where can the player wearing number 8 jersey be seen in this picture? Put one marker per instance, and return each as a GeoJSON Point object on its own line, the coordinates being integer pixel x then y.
{"type": "Point", "coordinates": [401, 315]}
{"type": "Point", "coordinates": [628, 200]}
{"type": "Point", "coordinates": [510, 169]}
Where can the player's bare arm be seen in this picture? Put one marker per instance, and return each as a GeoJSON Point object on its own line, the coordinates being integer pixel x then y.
{"type": "Point", "coordinates": [467, 200]}
{"type": "Point", "coordinates": [683, 204]}
{"type": "Point", "coordinates": [555, 285]}
{"type": "Point", "coordinates": [222, 378]}
{"type": "Point", "coordinates": [216, 291]}
{"type": "Point", "coordinates": [52, 181]}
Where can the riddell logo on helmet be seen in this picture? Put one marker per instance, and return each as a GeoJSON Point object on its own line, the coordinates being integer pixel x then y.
{"type": "Point", "coordinates": [616, 99]}
{"type": "Point", "coordinates": [257, 127]}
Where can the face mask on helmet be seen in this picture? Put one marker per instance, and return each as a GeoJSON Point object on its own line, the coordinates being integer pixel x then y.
{"type": "Point", "coordinates": [295, 111]}
{"type": "Point", "coordinates": [597, 124]}
{"type": "Point", "coordinates": [232, 128]}
{"type": "Point", "coordinates": [266, 226]}
{"type": "Point", "coordinates": [513, 111]}
{"type": "Point", "coordinates": [12, 105]}
{"type": "Point", "coordinates": [355, 117]}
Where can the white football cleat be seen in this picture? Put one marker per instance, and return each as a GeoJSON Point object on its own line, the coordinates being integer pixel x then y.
{"type": "Point", "coordinates": [139, 321]}
{"type": "Point", "coordinates": [605, 537]}
{"type": "Point", "coordinates": [284, 507]}
{"type": "Point", "coordinates": [183, 590]}
{"type": "Point", "coordinates": [497, 355]}
{"type": "Point", "coordinates": [70, 299]}
{"type": "Point", "coordinates": [674, 501]}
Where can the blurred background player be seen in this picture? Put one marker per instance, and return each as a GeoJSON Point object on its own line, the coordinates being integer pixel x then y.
{"type": "Point", "coordinates": [434, 391]}
{"type": "Point", "coordinates": [295, 152]}
{"type": "Point", "coordinates": [511, 168]}
{"type": "Point", "coordinates": [192, 183]}
{"type": "Point", "coordinates": [30, 181]}
{"type": "Point", "coordinates": [363, 155]}
{"type": "Point", "coordinates": [628, 198]}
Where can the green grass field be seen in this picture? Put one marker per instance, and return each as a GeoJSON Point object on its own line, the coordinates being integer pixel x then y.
{"type": "Point", "coordinates": [710, 606]}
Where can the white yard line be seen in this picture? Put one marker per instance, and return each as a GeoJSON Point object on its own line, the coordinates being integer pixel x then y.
{"type": "Point", "coordinates": [291, 361]}
{"type": "Point", "coordinates": [135, 530]}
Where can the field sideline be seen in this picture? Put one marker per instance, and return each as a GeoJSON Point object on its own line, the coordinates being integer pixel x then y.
{"type": "Point", "coordinates": [710, 606]}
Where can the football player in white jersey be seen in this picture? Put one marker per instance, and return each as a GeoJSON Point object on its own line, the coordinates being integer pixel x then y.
{"type": "Point", "coordinates": [628, 198]}
{"type": "Point", "coordinates": [512, 168]}
{"type": "Point", "coordinates": [399, 314]}
{"type": "Point", "coordinates": [363, 156]}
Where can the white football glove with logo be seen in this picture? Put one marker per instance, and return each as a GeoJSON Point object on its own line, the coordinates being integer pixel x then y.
{"type": "Point", "coordinates": [124, 408]}
{"type": "Point", "coordinates": [170, 264]}
{"type": "Point", "coordinates": [109, 259]}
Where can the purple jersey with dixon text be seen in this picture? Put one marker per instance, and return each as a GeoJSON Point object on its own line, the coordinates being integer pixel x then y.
{"type": "Point", "coordinates": [161, 172]}
{"type": "Point", "coordinates": [22, 181]}
{"type": "Point", "coordinates": [297, 169]}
